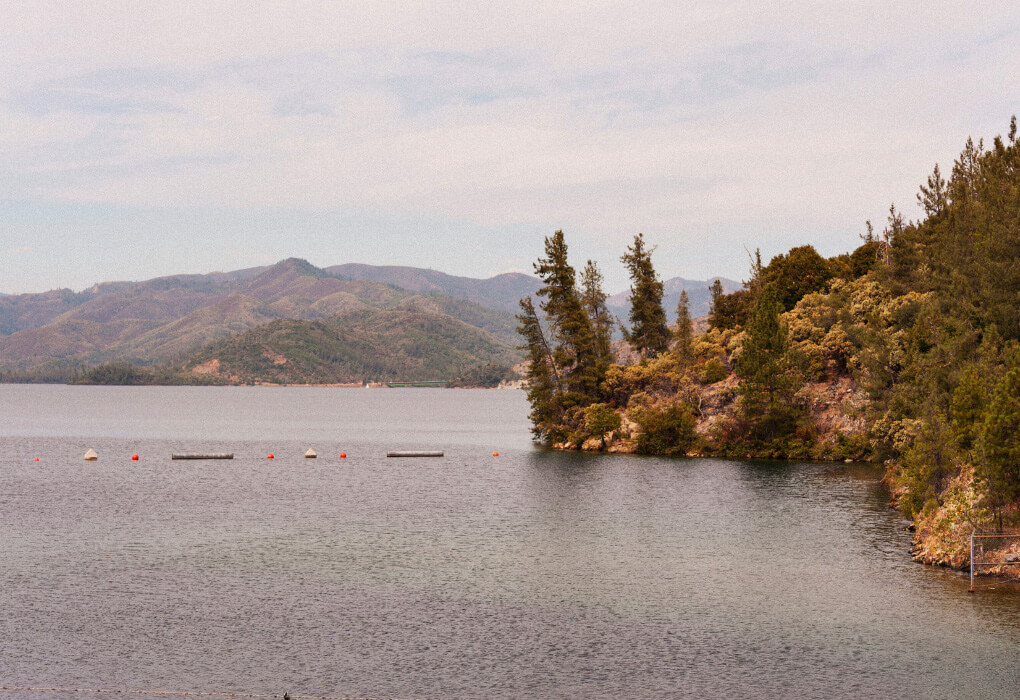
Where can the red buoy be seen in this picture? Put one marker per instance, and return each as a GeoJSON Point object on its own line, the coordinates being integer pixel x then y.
{"type": "Point", "coordinates": [36, 459]}
{"type": "Point", "coordinates": [343, 455]}
{"type": "Point", "coordinates": [495, 454]}
{"type": "Point", "coordinates": [269, 456]}
{"type": "Point", "coordinates": [134, 458]}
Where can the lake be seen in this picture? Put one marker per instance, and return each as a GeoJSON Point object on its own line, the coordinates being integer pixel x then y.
{"type": "Point", "coordinates": [530, 574]}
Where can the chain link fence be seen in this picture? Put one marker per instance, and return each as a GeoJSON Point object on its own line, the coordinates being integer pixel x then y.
{"type": "Point", "coordinates": [994, 553]}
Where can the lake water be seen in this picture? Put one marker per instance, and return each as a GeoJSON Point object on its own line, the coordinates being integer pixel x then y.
{"type": "Point", "coordinates": [532, 574]}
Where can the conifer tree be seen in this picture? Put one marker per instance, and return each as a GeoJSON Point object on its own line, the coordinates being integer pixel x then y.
{"type": "Point", "coordinates": [648, 333]}
{"type": "Point", "coordinates": [594, 299]}
{"type": "Point", "coordinates": [1000, 472]}
{"type": "Point", "coordinates": [574, 353]}
{"type": "Point", "coordinates": [768, 383]}
{"type": "Point", "coordinates": [684, 328]}
{"type": "Point", "coordinates": [543, 382]}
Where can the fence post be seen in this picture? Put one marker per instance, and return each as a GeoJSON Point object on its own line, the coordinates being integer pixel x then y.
{"type": "Point", "coordinates": [971, 562]}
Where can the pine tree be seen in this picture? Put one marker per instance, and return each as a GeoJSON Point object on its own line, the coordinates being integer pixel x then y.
{"type": "Point", "coordinates": [684, 329]}
{"type": "Point", "coordinates": [574, 353]}
{"type": "Point", "coordinates": [1000, 471]}
{"type": "Point", "coordinates": [594, 300]}
{"type": "Point", "coordinates": [768, 382]}
{"type": "Point", "coordinates": [648, 333]}
{"type": "Point", "coordinates": [543, 382]}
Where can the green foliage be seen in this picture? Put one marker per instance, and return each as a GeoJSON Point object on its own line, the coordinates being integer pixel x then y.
{"type": "Point", "coordinates": [543, 385]}
{"type": "Point", "coordinates": [684, 329]}
{"type": "Point", "coordinates": [855, 447]}
{"type": "Point", "coordinates": [574, 352]}
{"type": "Point", "coordinates": [667, 431]}
{"type": "Point", "coordinates": [968, 408]}
{"type": "Point", "coordinates": [928, 463]}
{"type": "Point", "coordinates": [729, 310]}
{"type": "Point", "coordinates": [713, 371]}
{"type": "Point", "coordinates": [594, 301]}
{"type": "Point", "coordinates": [365, 345]}
{"type": "Point", "coordinates": [120, 373]}
{"type": "Point", "coordinates": [600, 419]}
{"type": "Point", "coordinates": [1000, 471]}
{"type": "Point", "coordinates": [127, 374]}
{"type": "Point", "coordinates": [768, 380]}
{"type": "Point", "coordinates": [568, 367]}
{"type": "Point", "coordinates": [648, 333]}
{"type": "Point", "coordinates": [796, 274]}
{"type": "Point", "coordinates": [863, 259]}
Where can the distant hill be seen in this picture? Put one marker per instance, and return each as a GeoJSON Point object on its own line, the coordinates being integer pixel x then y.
{"type": "Point", "coordinates": [367, 345]}
{"type": "Point", "coordinates": [169, 318]}
{"type": "Point", "coordinates": [699, 298]}
{"type": "Point", "coordinates": [501, 292]}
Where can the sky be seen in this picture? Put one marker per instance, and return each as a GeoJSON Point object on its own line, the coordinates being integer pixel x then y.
{"type": "Point", "coordinates": [141, 139]}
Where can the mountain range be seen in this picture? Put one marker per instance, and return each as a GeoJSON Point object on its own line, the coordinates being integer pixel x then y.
{"type": "Point", "coordinates": [290, 322]}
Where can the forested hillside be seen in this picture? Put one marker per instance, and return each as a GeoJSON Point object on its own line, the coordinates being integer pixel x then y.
{"type": "Point", "coordinates": [149, 330]}
{"type": "Point", "coordinates": [905, 350]}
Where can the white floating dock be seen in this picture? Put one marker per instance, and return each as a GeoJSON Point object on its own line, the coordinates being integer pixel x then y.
{"type": "Point", "coordinates": [414, 453]}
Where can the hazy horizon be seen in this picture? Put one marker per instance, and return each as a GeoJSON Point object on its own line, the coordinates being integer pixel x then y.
{"type": "Point", "coordinates": [609, 291]}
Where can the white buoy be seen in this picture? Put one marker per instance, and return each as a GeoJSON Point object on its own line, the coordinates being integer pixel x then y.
{"type": "Point", "coordinates": [91, 456]}
{"type": "Point", "coordinates": [310, 454]}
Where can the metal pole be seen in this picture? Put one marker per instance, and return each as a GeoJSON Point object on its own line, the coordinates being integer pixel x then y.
{"type": "Point", "coordinates": [971, 562]}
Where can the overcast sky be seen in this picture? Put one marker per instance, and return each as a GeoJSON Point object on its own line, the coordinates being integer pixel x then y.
{"type": "Point", "coordinates": [140, 139]}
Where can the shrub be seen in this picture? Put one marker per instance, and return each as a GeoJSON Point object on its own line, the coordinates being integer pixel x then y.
{"type": "Point", "coordinates": [600, 419]}
{"type": "Point", "coordinates": [667, 431]}
{"type": "Point", "coordinates": [713, 372]}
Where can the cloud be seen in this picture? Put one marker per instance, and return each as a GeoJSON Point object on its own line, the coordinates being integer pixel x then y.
{"type": "Point", "coordinates": [728, 125]}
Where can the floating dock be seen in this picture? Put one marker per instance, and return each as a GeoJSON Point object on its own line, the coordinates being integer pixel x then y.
{"type": "Point", "coordinates": [414, 453]}
{"type": "Point", "coordinates": [202, 455]}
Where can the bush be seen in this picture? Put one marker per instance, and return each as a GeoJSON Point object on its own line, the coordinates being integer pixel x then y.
{"type": "Point", "coordinates": [856, 447]}
{"type": "Point", "coordinates": [667, 431]}
{"type": "Point", "coordinates": [600, 419]}
{"type": "Point", "coordinates": [713, 372]}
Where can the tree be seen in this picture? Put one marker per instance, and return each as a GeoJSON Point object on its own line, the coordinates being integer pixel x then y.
{"type": "Point", "coordinates": [648, 333]}
{"type": "Point", "coordinates": [768, 382]}
{"type": "Point", "coordinates": [968, 407]}
{"type": "Point", "coordinates": [543, 381]}
{"type": "Point", "coordinates": [728, 310]}
{"type": "Point", "coordinates": [799, 272]}
{"type": "Point", "coordinates": [594, 300]}
{"type": "Point", "coordinates": [1000, 472]}
{"type": "Point", "coordinates": [574, 352]}
{"type": "Point", "coordinates": [684, 328]}
{"type": "Point", "coordinates": [600, 419]}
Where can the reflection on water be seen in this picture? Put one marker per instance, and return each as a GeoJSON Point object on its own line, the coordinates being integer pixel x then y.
{"type": "Point", "coordinates": [532, 574]}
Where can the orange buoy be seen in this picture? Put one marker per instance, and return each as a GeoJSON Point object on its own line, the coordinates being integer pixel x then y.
{"type": "Point", "coordinates": [269, 456]}
{"type": "Point", "coordinates": [134, 458]}
{"type": "Point", "coordinates": [495, 454]}
{"type": "Point", "coordinates": [343, 455]}
{"type": "Point", "coordinates": [36, 459]}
